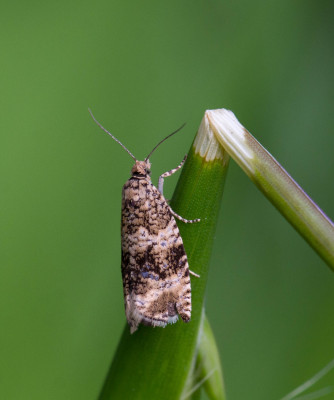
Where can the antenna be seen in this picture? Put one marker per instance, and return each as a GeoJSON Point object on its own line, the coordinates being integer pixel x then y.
{"type": "Point", "coordinates": [104, 129]}
{"type": "Point", "coordinates": [171, 134]}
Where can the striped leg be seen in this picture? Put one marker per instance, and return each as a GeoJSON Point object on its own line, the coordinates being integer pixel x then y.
{"type": "Point", "coordinates": [187, 221]}
{"type": "Point", "coordinates": [160, 188]}
{"type": "Point", "coordinates": [169, 173]}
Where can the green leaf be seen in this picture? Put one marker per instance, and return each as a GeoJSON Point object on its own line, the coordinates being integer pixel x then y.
{"type": "Point", "coordinates": [156, 363]}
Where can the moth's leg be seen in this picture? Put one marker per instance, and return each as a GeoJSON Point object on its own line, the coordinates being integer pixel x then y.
{"type": "Point", "coordinates": [187, 221]}
{"type": "Point", "coordinates": [169, 173]}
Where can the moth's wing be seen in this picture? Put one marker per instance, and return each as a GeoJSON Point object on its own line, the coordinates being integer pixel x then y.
{"type": "Point", "coordinates": [155, 268]}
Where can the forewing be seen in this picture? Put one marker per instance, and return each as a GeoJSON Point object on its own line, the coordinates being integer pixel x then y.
{"type": "Point", "coordinates": [154, 263]}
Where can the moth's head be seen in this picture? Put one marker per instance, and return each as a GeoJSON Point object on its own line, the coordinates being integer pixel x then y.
{"type": "Point", "coordinates": [141, 169]}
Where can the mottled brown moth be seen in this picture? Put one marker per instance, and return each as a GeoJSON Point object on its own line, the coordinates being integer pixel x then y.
{"type": "Point", "coordinates": [155, 268]}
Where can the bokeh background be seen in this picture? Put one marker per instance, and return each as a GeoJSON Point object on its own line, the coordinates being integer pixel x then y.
{"type": "Point", "coordinates": [145, 68]}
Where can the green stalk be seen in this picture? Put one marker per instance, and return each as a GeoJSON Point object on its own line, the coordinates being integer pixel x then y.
{"type": "Point", "coordinates": [158, 363]}
{"type": "Point", "coordinates": [276, 184]}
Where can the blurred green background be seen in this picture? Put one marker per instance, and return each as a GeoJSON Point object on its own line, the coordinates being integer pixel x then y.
{"type": "Point", "coordinates": [145, 68]}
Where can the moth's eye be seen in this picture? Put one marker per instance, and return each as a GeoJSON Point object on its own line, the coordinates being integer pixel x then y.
{"type": "Point", "coordinates": [148, 171]}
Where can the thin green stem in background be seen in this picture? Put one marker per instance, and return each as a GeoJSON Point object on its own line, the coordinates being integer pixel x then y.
{"type": "Point", "coordinates": [310, 382]}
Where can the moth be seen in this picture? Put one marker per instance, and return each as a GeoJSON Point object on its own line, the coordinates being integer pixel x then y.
{"type": "Point", "coordinates": [155, 270]}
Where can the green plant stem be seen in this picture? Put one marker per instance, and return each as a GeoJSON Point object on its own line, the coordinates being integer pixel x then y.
{"type": "Point", "coordinates": [296, 206]}
{"type": "Point", "coordinates": [154, 363]}
{"type": "Point", "coordinates": [274, 181]}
